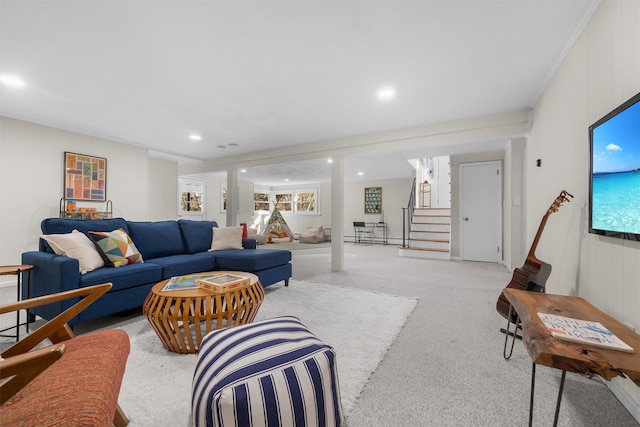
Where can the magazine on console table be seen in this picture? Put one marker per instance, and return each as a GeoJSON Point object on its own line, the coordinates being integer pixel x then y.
{"type": "Point", "coordinates": [582, 332]}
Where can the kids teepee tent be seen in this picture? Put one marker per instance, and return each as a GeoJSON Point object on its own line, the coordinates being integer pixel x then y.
{"type": "Point", "coordinates": [277, 225]}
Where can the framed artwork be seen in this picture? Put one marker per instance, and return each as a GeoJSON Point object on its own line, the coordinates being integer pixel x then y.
{"type": "Point", "coordinates": [85, 177]}
{"type": "Point", "coordinates": [373, 200]}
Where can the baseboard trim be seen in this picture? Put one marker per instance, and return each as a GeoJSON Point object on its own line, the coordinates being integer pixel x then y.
{"type": "Point", "coordinates": [8, 282]}
{"type": "Point", "coordinates": [631, 405]}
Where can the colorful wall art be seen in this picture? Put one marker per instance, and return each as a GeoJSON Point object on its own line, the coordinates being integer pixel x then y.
{"type": "Point", "coordinates": [85, 177]}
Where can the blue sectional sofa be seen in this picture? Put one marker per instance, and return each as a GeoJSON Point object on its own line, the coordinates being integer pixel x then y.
{"type": "Point", "coordinates": [168, 248]}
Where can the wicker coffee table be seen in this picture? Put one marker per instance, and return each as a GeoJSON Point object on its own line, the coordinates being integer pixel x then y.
{"type": "Point", "coordinates": [181, 318]}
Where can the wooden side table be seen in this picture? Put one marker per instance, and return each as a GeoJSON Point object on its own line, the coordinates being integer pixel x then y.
{"type": "Point", "coordinates": [181, 318]}
{"type": "Point", "coordinates": [568, 356]}
{"type": "Point", "coordinates": [16, 270]}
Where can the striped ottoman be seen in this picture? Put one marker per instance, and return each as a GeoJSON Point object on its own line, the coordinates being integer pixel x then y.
{"type": "Point", "coordinates": [269, 373]}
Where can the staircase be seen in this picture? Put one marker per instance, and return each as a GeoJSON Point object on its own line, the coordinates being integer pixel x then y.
{"type": "Point", "coordinates": [430, 234]}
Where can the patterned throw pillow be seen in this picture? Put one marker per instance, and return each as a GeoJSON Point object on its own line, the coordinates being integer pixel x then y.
{"type": "Point", "coordinates": [116, 247]}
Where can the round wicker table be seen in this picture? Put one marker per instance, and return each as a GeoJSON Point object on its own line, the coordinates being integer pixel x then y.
{"type": "Point", "coordinates": [181, 318]}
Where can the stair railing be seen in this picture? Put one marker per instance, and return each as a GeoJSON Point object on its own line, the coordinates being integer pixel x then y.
{"type": "Point", "coordinates": [407, 214]}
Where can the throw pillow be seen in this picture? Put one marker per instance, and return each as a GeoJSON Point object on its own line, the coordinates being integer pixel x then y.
{"type": "Point", "coordinates": [116, 247]}
{"type": "Point", "coordinates": [282, 235]}
{"type": "Point", "coordinates": [76, 245]}
{"type": "Point", "coordinates": [226, 238]}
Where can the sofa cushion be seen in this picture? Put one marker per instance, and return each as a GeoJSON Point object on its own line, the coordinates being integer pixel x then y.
{"type": "Point", "coordinates": [116, 247]}
{"type": "Point", "coordinates": [128, 276]}
{"type": "Point", "coordinates": [156, 239]}
{"type": "Point", "coordinates": [251, 259]}
{"type": "Point", "coordinates": [179, 265]}
{"type": "Point", "coordinates": [76, 245]}
{"type": "Point", "coordinates": [227, 238]}
{"type": "Point", "coordinates": [197, 235]}
{"type": "Point", "coordinates": [62, 226]}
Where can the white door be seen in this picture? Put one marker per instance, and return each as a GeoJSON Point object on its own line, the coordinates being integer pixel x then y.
{"type": "Point", "coordinates": [481, 211]}
{"type": "Point", "coordinates": [191, 200]}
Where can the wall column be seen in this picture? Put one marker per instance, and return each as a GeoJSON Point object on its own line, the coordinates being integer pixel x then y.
{"type": "Point", "coordinates": [232, 197]}
{"type": "Point", "coordinates": [337, 214]}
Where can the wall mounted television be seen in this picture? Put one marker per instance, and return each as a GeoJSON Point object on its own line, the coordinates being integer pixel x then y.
{"type": "Point", "coordinates": [614, 175]}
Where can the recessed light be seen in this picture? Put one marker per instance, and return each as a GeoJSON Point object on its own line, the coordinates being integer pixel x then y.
{"type": "Point", "coordinates": [329, 160]}
{"type": "Point", "coordinates": [386, 93]}
{"type": "Point", "coordinates": [360, 173]}
{"type": "Point", "coordinates": [11, 81]}
{"type": "Point", "coordinates": [243, 170]}
{"type": "Point", "coordinates": [195, 137]}
{"type": "Point", "coordinates": [286, 180]}
{"type": "Point", "coordinates": [233, 144]}
{"type": "Point", "coordinates": [222, 147]}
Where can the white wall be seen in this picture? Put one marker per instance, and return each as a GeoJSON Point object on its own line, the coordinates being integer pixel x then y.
{"type": "Point", "coordinates": [31, 180]}
{"type": "Point", "coordinates": [163, 189]}
{"type": "Point", "coordinates": [601, 71]}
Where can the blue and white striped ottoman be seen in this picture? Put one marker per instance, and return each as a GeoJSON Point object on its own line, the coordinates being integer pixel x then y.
{"type": "Point", "coordinates": [269, 373]}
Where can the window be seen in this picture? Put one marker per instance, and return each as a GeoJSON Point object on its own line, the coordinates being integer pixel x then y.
{"type": "Point", "coordinates": [261, 202]}
{"type": "Point", "coordinates": [284, 202]}
{"type": "Point", "coordinates": [305, 202]}
{"type": "Point", "coordinates": [191, 198]}
{"type": "Point", "coordinates": [191, 202]}
{"type": "Point", "coordinates": [302, 202]}
{"type": "Point", "coordinates": [223, 197]}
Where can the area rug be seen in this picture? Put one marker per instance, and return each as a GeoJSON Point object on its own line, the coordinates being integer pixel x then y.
{"type": "Point", "coordinates": [360, 325]}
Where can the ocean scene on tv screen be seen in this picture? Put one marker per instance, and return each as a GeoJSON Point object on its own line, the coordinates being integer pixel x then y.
{"type": "Point", "coordinates": [616, 173]}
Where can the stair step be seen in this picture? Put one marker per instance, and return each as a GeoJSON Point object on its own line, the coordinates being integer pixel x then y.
{"type": "Point", "coordinates": [413, 239]}
{"type": "Point", "coordinates": [424, 253]}
{"type": "Point", "coordinates": [428, 249]}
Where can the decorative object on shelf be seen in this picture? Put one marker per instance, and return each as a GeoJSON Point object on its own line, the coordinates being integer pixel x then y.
{"type": "Point", "coordinates": [69, 210]}
{"type": "Point", "coordinates": [85, 177]}
{"type": "Point", "coordinates": [425, 193]}
{"type": "Point", "coordinates": [373, 200]}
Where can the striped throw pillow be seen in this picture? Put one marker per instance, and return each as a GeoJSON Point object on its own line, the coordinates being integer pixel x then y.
{"type": "Point", "coordinates": [272, 372]}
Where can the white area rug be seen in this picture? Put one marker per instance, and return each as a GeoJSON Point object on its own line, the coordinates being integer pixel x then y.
{"type": "Point", "coordinates": [360, 325]}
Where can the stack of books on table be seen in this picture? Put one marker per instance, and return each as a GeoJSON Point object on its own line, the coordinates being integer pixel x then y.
{"type": "Point", "coordinates": [223, 282]}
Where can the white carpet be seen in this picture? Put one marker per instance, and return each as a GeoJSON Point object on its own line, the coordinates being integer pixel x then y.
{"type": "Point", "coordinates": [360, 325]}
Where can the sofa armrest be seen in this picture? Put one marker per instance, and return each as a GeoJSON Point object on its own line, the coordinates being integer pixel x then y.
{"type": "Point", "coordinates": [249, 243]}
{"type": "Point", "coordinates": [51, 273]}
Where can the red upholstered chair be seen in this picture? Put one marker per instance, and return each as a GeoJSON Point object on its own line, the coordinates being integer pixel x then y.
{"type": "Point", "coordinates": [75, 381]}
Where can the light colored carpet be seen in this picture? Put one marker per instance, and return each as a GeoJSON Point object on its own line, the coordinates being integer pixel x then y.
{"type": "Point", "coordinates": [295, 245]}
{"type": "Point", "coordinates": [360, 325]}
{"type": "Point", "coordinates": [445, 368]}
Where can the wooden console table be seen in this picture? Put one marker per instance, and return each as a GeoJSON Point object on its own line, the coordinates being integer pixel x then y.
{"type": "Point", "coordinates": [571, 357]}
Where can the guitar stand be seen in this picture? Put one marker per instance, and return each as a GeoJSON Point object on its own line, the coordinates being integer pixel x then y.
{"type": "Point", "coordinates": [508, 333]}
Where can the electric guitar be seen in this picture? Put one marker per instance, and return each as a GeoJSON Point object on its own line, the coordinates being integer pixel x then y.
{"type": "Point", "coordinates": [533, 275]}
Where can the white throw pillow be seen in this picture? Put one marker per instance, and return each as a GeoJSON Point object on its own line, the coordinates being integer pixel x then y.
{"type": "Point", "coordinates": [226, 238]}
{"type": "Point", "coordinates": [76, 245]}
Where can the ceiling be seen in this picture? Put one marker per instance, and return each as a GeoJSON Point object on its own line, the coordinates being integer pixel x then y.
{"type": "Point", "coordinates": [251, 76]}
